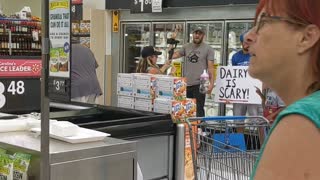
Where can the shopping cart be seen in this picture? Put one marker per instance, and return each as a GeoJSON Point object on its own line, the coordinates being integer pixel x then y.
{"type": "Point", "coordinates": [226, 147]}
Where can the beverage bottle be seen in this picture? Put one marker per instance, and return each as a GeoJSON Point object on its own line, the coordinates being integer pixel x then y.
{"type": "Point", "coordinates": [204, 82]}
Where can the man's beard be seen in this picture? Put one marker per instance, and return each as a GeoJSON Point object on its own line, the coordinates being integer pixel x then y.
{"type": "Point", "coordinates": [199, 41]}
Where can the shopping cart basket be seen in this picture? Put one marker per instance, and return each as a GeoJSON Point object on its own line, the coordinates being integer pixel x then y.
{"type": "Point", "coordinates": [226, 147]}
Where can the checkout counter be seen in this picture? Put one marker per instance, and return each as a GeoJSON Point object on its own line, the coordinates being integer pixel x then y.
{"type": "Point", "coordinates": [146, 138]}
{"type": "Point", "coordinates": [107, 159]}
{"type": "Point", "coordinates": [154, 133]}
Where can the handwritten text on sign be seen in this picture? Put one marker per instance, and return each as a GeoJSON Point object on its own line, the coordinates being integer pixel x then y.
{"type": "Point", "coordinates": [235, 85]}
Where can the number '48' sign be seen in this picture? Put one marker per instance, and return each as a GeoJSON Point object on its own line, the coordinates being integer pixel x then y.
{"type": "Point", "coordinates": [141, 6]}
{"type": "Point", "coordinates": [19, 94]}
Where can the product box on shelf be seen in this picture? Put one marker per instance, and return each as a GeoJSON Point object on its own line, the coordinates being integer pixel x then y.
{"type": "Point", "coordinates": [162, 105]}
{"type": "Point", "coordinates": [125, 84]}
{"type": "Point", "coordinates": [190, 106]}
{"type": "Point", "coordinates": [85, 26]}
{"type": "Point", "coordinates": [75, 26]}
{"type": "Point", "coordinates": [143, 104]}
{"type": "Point", "coordinates": [174, 88]}
{"type": "Point", "coordinates": [126, 102]}
{"type": "Point", "coordinates": [179, 110]}
{"type": "Point", "coordinates": [144, 85]}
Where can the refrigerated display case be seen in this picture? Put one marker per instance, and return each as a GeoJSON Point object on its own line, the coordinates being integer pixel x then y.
{"type": "Point", "coordinates": [213, 37]}
{"type": "Point", "coordinates": [233, 31]}
{"type": "Point", "coordinates": [164, 31]}
{"type": "Point", "coordinates": [135, 37]}
{"type": "Point", "coordinates": [222, 35]}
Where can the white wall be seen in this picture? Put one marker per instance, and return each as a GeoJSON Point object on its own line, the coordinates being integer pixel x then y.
{"type": "Point", "coordinates": [95, 4]}
{"type": "Point", "coordinates": [11, 6]}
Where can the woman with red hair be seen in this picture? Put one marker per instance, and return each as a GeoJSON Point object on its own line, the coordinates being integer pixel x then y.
{"type": "Point", "coordinates": [285, 55]}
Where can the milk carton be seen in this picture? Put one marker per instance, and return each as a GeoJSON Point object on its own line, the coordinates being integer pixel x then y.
{"type": "Point", "coordinates": [144, 86]}
{"type": "Point", "coordinates": [162, 106]}
{"type": "Point", "coordinates": [143, 104]}
{"type": "Point", "coordinates": [173, 88]}
{"type": "Point", "coordinates": [125, 84]}
{"type": "Point", "coordinates": [126, 102]}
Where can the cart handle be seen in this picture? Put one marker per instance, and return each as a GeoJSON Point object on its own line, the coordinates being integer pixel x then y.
{"type": "Point", "coordinates": [219, 118]}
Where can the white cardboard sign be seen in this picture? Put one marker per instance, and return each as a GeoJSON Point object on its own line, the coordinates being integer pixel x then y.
{"type": "Point", "coordinates": [234, 84]}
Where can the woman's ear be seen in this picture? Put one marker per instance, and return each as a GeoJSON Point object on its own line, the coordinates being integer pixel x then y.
{"type": "Point", "coordinates": [309, 38]}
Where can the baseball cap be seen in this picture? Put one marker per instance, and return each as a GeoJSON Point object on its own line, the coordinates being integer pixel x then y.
{"type": "Point", "coordinates": [149, 51]}
{"type": "Point", "coordinates": [200, 29]}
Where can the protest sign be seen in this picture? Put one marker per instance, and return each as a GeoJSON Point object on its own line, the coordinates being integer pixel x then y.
{"type": "Point", "coordinates": [234, 84]}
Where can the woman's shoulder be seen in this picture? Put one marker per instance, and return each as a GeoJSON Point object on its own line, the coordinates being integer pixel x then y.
{"type": "Point", "coordinates": [308, 107]}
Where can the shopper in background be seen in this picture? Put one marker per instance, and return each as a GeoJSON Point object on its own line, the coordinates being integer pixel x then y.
{"type": "Point", "coordinates": [242, 58]}
{"type": "Point", "coordinates": [85, 86]}
{"type": "Point", "coordinates": [148, 63]}
{"type": "Point", "coordinates": [272, 104]}
{"type": "Point", "coordinates": [199, 57]}
{"type": "Point", "coordinates": [285, 55]}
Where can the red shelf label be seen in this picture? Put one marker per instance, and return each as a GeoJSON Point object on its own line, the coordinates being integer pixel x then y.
{"type": "Point", "coordinates": [20, 68]}
{"type": "Point", "coordinates": [77, 1]}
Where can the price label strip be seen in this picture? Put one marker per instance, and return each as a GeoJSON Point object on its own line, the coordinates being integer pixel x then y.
{"type": "Point", "coordinates": [19, 95]}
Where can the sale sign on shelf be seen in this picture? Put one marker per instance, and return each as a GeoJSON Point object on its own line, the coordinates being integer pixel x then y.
{"type": "Point", "coordinates": [20, 68]}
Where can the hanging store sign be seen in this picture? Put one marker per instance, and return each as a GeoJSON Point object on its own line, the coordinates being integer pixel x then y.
{"type": "Point", "coordinates": [77, 1]}
{"type": "Point", "coordinates": [146, 6]}
{"type": "Point", "coordinates": [141, 6]}
{"type": "Point", "coordinates": [60, 49]}
{"type": "Point", "coordinates": [20, 84]}
{"type": "Point", "coordinates": [156, 5]}
{"type": "Point", "coordinates": [20, 68]}
{"type": "Point", "coordinates": [115, 21]}
{"type": "Point", "coordinates": [59, 34]}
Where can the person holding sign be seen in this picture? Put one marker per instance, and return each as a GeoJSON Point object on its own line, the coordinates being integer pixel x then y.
{"type": "Point", "coordinates": [199, 57]}
{"type": "Point", "coordinates": [242, 58]}
{"type": "Point", "coordinates": [284, 46]}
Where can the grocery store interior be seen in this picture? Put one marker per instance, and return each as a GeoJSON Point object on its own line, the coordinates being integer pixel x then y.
{"type": "Point", "coordinates": [124, 134]}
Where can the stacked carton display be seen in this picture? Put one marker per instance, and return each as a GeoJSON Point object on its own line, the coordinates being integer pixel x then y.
{"type": "Point", "coordinates": [136, 91]}
{"type": "Point", "coordinates": [171, 98]}
{"type": "Point", "coordinates": [158, 93]}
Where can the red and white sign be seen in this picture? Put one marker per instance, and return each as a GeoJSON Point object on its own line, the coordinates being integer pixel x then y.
{"type": "Point", "coordinates": [77, 1]}
{"type": "Point", "coordinates": [20, 68]}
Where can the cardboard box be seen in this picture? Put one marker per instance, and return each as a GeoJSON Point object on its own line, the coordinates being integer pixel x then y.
{"type": "Point", "coordinates": [144, 86]}
{"type": "Point", "coordinates": [162, 106]}
{"type": "Point", "coordinates": [125, 84]}
{"type": "Point", "coordinates": [173, 88]}
{"type": "Point", "coordinates": [177, 112]}
{"type": "Point", "coordinates": [143, 104]}
{"type": "Point", "coordinates": [126, 102]}
{"type": "Point", "coordinates": [85, 26]}
{"type": "Point", "coordinates": [190, 106]}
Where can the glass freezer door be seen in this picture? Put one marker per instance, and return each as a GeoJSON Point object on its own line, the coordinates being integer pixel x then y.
{"type": "Point", "coordinates": [162, 33]}
{"type": "Point", "coordinates": [213, 37]}
{"type": "Point", "coordinates": [233, 31]}
{"type": "Point", "coordinates": [135, 37]}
